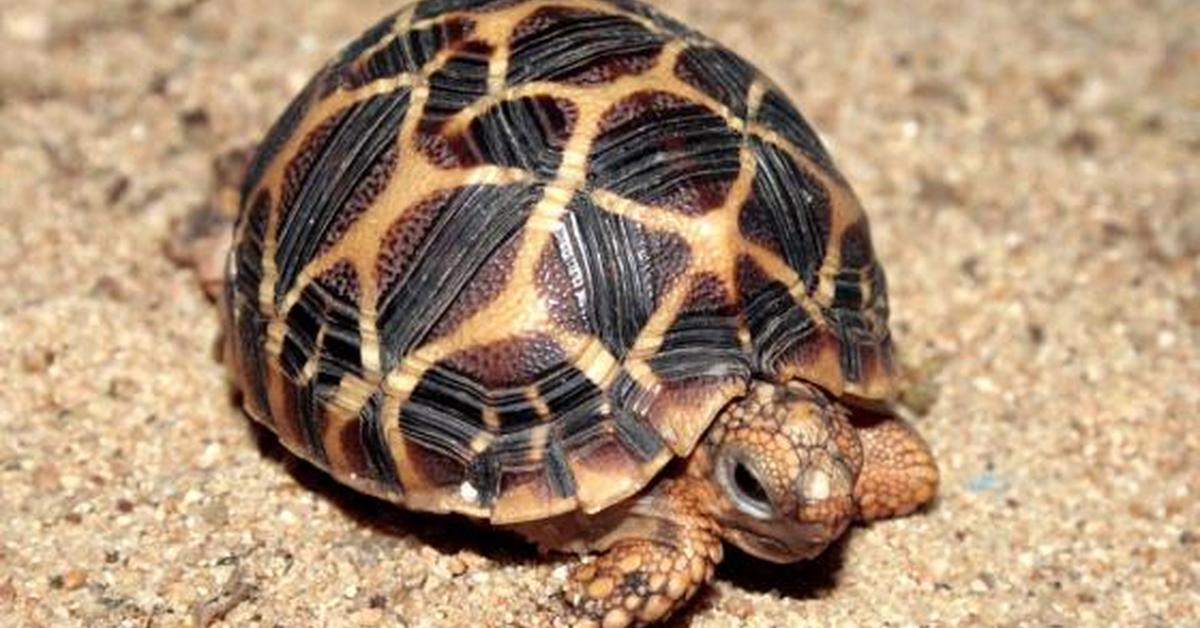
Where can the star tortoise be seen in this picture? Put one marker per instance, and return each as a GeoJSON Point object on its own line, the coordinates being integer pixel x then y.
{"type": "Point", "coordinates": [572, 268]}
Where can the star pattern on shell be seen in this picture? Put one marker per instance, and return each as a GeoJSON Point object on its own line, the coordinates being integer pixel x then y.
{"type": "Point", "coordinates": [508, 258]}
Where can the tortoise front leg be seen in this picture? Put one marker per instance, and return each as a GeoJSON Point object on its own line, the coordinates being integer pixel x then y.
{"type": "Point", "coordinates": [656, 559]}
{"type": "Point", "coordinates": [898, 473]}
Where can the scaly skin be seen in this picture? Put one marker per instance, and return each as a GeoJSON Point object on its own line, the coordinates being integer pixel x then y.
{"type": "Point", "coordinates": [659, 552]}
{"type": "Point", "coordinates": [641, 580]}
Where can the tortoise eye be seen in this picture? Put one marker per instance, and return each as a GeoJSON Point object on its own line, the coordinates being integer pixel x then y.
{"type": "Point", "coordinates": [746, 490]}
{"type": "Point", "coordinates": [749, 485]}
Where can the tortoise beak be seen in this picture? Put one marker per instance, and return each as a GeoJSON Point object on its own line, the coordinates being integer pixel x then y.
{"type": "Point", "coordinates": [790, 540]}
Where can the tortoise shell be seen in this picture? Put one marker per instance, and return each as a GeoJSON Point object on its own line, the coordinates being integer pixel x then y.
{"type": "Point", "coordinates": [508, 258]}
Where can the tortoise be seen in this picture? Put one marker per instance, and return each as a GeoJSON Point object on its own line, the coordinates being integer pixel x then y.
{"type": "Point", "coordinates": [571, 268]}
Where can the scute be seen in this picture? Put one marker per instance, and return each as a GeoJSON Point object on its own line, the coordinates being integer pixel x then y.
{"type": "Point", "coordinates": [788, 212]}
{"type": "Point", "coordinates": [405, 53]}
{"type": "Point", "coordinates": [508, 258]}
{"type": "Point", "coordinates": [486, 216]}
{"type": "Point", "coordinates": [667, 152]}
{"type": "Point", "coordinates": [580, 47]}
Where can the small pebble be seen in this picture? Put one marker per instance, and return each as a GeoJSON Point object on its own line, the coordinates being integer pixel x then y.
{"type": "Point", "coordinates": [73, 579]}
{"type": "Point", "coordinates": [739, 606]}
{"type": "Point", "coordinates": [37, 361]}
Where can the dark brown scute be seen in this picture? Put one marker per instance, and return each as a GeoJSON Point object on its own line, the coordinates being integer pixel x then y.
{"type": "Point", "coordinates": [593, 431]}
{"type": "Point", "coordinates": [579, 47]}
{"type": "Point", "coordinates": [459, 82]}
{"type": "Point", "coordinates": [777, 324]}
{"type": "Point", "coordinates": [365, 449]}
{"type": "Point", "coordinates": [719, 73]}
{"type": "Point", "coordinates": [703, 341]}
{"type": "Point", "coordinates": [488, 216]}
{"type": "Point", "coordinates": [544, 477]}
{"type": "Point", "coordinates": [558, 474]}
{"type": "Point", "coordinates": [251, 333]}
{"type": "Point", "coordinates": [406, 53]}
{"type": "Point", "coordinates": [438, 422]}
{"type": "Point", "coordinates": [300, 420]}
{"type": "Point", "coordinates": [860, 347]}
{"type": "Point", "coordinates": [860, 307]}
{"type": "Point", "coordinates": [300, 166]}
{"type": "Point", "coordinates": [624, 268]}
{"type": "Point", "coordinates": [529, 133]}
{"type": "Point", "coordinates": [511, 464]}
{"type": "Point", "coordinates": [578, 406]}
{"type": "Point", "coordinates": [788, 212]}
{"type": "Point", "coordinates": [856, 251]}
{"type": "Point", "coordinates": [660, 150]}
{"type": "Point", "coordinates": [444, 414]}
{"type": "Point", "coordinates": [323, 326]}
{"type": "Point", "coordinates": [488, 284]}
{"type": "Point", "coordinates": [348, 170]}
{"type": "Point", "coordinates": [434, 8]}
{"type": "Point", "coordinates": [435, 466]}
{"type": "Point", "coordinates": [573, 399]}
{"type": "Point", "coordinates": [341, 348]}
{"type": "Point", "coordinates": [511, 363]}
{"type": "Point", "coordinates": [778, 114]}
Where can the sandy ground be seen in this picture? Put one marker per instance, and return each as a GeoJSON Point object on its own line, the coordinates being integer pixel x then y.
{"type": "Point", "coordinates": [1032, 170]}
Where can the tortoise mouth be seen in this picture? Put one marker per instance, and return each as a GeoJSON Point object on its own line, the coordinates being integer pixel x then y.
{"type": "Point", "coordinates": [783, 539]}
{"type": "Point", "coordinates": [776, 550]}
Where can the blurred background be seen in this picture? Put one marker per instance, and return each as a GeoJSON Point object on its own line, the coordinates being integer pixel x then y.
{"type": "Point", "coordinates": [1031, 170]}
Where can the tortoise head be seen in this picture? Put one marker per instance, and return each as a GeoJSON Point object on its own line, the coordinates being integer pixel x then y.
{"type": "Point", "coordinates": [783, 460]}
